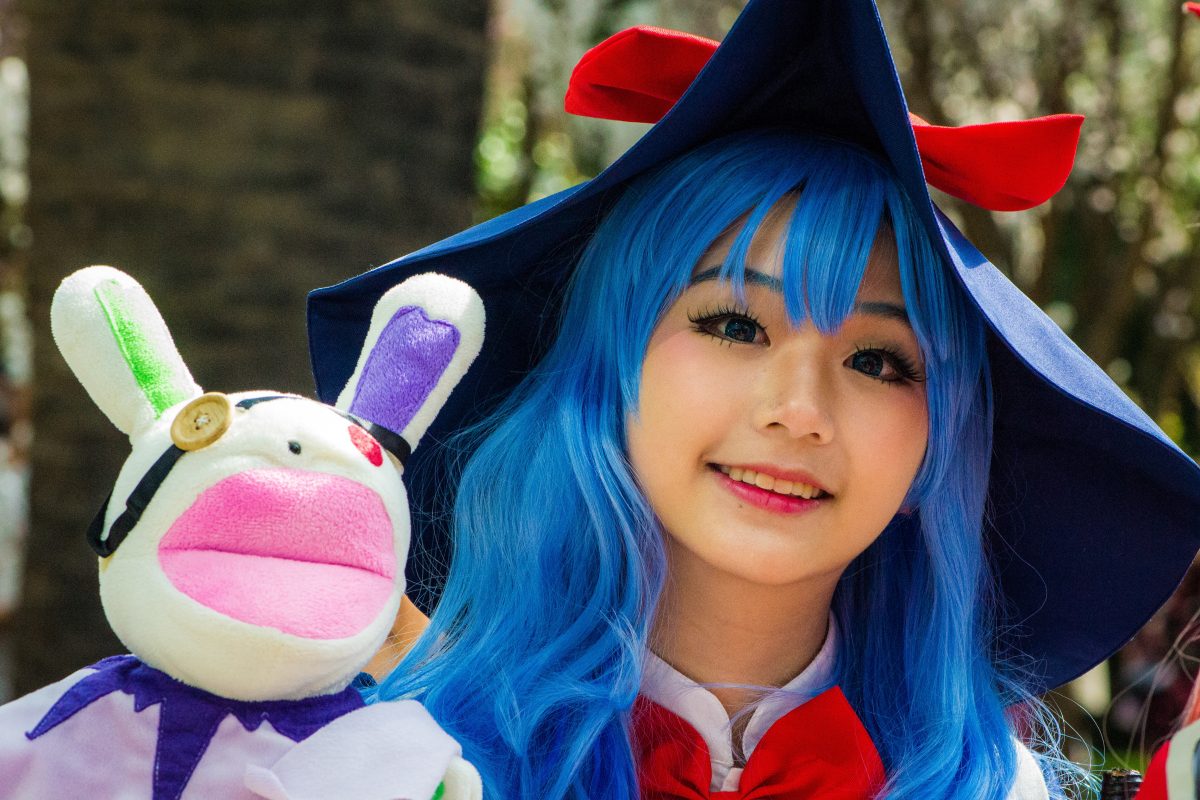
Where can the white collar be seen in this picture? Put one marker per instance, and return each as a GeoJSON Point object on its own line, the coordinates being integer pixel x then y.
{"type": "Point", "coordinates": [700, 708]}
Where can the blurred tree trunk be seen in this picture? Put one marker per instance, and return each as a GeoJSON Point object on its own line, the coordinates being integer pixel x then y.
{"type": "Point", "coordinates": [231, 156]}
{"type": "Point", "coordinates": [531, 147]}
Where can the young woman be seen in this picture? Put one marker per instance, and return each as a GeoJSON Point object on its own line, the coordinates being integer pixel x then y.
{"type": "Point", "coordinates": [742, 399]}
{"type": "Point", "coordinates": [801, 498]}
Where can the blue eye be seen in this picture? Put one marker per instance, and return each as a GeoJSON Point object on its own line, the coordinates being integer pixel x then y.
{"type": "Point", "coordinates": [740, 330]}
{"type": "Point", "coordinates": [730, 325]}
{"type": "Point", "coordinates": [868, 362]}
{"type": "Point", "coordinates": [884, 365]}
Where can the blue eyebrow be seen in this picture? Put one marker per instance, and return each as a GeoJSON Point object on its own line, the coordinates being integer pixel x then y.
{"type": "Point", "coordinates": [753, 276]}
{"type": "Point", "coordinates": [887, 310]}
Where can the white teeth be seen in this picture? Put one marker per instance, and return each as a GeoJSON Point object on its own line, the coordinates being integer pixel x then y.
{"type": "Point", "coordinates": [770, 483]}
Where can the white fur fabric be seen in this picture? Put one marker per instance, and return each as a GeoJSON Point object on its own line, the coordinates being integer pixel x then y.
{"type": "Point", "coordinates": [84, 335]}
{"type": "Point", "coordinates": [189, 641]}
{"type": "Point", "coordinates": [444, 299]}
{"type": "Point", "coordinates": [381, 752]}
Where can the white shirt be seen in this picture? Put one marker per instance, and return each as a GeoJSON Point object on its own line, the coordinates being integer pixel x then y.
{"type": "Point", "coordinates": [700, 708]}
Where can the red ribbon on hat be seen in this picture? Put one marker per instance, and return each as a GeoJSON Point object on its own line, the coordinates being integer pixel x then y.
{"type": "Point", "coordinates": [1192, 7]}
{"type": "Point", "coordinates": [818, 750]}
{"type": "Point", "coordinates": [637, 75]}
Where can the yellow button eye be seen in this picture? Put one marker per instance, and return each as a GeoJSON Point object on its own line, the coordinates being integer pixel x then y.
{"type": "Point", "coordinates": [202, 421]}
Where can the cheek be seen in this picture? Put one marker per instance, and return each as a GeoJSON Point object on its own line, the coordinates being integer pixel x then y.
{"type": "Point", "coordinates": [680, 373]}
{"type": "Point", "coordinates": [683, 403]}
{"type": "Point", "coordinates": [915, 434]}
{"type": "Point", "coordinates": [891, 447]}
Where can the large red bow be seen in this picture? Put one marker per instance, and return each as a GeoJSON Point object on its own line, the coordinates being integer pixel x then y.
{"type": "Point", "coordinates": [1192, 7]}
{"type": "Point", "coordinates": [638, 74]}
{"type": "Point", "coordinates": [818, 750]}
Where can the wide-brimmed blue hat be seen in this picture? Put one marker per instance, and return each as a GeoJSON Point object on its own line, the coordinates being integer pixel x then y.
{"type": "Point", "coordinates": [1094, 515]}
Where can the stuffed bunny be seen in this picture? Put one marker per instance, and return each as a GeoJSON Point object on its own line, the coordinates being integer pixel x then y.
{"type": "Point", "coordinates": [252, 560]}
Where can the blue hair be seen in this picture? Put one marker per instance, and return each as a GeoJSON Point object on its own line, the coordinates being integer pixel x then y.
{"type": "Point", "coordinates": [534, 654]}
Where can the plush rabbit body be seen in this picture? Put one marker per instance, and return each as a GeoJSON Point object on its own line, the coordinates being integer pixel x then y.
{"type": "Point", "coordinates": [251, 559]}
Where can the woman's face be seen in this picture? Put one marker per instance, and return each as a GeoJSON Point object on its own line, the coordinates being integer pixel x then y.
{"type": "Point", "coordinates": [771, 453]}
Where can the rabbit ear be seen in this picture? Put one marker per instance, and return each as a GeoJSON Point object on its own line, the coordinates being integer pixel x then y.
{"type": "Point", "coordinates": [424, 335]}
{"type": "Point", "coordinates": [118, 346]}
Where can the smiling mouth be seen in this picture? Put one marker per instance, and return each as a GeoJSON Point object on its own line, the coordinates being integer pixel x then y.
{"type": "Point", "coordinates": [770, 483]}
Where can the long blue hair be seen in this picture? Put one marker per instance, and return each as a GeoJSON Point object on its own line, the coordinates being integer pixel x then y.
{"type": "Point", "coordinates": [534, 655]}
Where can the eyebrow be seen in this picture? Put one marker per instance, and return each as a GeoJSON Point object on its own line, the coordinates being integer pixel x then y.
{"type": "Point", "coordinates": [753, 276]}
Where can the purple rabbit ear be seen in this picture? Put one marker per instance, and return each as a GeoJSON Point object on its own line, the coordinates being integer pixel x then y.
{"type": "Point", "coordinates": [403, 368]}
{"type": "Point", "coordinates": [424, 335]}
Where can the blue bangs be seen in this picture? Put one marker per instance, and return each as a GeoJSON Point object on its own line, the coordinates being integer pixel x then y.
{"type": "Point", "coordinates": [841, 200]}
{"type": "Point", "coordinates": [534, 654]}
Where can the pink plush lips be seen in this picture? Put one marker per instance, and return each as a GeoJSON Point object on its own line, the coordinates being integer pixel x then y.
{"type": "Point", "coordinates": [307, 553]}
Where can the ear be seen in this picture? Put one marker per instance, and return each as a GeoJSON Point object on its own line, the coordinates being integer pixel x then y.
{"type": "Point", "coordinates": [118, 346]}
{"type": "Point", "coordinates": [424, 335]}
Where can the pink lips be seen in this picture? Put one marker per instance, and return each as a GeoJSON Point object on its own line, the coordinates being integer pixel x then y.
{"type": "Point", "coordinates": [766, 499]}
{"type": "Point", "coordinates": [307, 553]}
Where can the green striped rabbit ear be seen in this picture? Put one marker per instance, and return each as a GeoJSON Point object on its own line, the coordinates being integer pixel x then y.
{"type": "Point", "coordinates": [119, 348]}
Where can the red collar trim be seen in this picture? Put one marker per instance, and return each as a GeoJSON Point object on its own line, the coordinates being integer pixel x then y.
{"type": "Point", "coordinates": [819, 749]}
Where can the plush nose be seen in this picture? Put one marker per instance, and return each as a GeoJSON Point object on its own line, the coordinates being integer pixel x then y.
{"type": "Point", "coordinates": [365, 443]}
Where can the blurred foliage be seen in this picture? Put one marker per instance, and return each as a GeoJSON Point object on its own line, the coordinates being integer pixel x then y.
{"type": "Point", "coordinates": [530, 147]}
{"type": "Point", "coordinates": [15, 238]}
{"type": "Point", "coordinates": [16, 429]}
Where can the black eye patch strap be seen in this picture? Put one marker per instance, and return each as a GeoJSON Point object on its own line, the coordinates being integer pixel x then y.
{"type": "Point", "coordinates": [391, 441]}
{"type": "Point", "coordinates": [148, 486]}
{"type": "Point", "coordinates": [143, 493]}
{"type": "Point", "coordinates": [250, 402]}
{"type": "Point", "coordinates": [394, 443]}
{"type": "Point", "coordinates": [139, 498]}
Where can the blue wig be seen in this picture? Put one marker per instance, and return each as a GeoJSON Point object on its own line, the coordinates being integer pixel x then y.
{"type": "Point", "coordinates": [534, 654]}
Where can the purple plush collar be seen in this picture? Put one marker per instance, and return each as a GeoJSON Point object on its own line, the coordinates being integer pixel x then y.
{"type": "Point", "coordinates": [188, 717]}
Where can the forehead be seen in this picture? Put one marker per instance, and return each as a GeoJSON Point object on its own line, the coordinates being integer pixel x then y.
{"type": "Point", "coordinates": [766, 253]}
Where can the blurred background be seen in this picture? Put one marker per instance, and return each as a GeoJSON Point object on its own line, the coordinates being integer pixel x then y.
{"type": "Point", "coordinates": [235, 155]}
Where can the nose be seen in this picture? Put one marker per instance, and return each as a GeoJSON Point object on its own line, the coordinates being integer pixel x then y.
{"type": "Point", "coordinates": [795, 398]}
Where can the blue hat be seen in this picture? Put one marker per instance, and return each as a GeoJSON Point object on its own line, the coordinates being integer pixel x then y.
{"type": "Point", "coordinates": [1095, 513]}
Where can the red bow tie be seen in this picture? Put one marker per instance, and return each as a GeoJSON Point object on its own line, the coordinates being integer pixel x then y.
{"type": "Point", "coordinates": [818, 751]}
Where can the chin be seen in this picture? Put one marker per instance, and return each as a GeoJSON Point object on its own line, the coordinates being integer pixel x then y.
{"type": "Point", "coordinates": [765, 566]}
{"type": "Point", "coordinates": [768, 572]}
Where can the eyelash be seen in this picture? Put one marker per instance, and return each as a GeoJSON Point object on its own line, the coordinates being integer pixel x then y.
{"type": "Point", "coordinates": [703, 319]}
{"type": "Point", "coordinates": [899, 362]}
{"type": "Point", "coordinates": [902, 364]}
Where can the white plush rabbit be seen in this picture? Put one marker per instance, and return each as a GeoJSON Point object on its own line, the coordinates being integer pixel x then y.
{"type": "Point", "coordinates": [252, 560]}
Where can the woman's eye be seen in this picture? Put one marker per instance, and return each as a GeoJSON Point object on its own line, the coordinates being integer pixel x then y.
{"type": "Point", "coordinates": [739, 329]}
{"type": "Point", "coordinates": [730, 327]}
{"type": "Point", "coordinates": [869, 362]}
{"type": "Point", "coordinates": [883, 365]}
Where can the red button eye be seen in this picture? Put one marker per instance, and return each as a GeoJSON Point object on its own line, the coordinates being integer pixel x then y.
{"type": "Point", "coordinates": [366, 445]}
